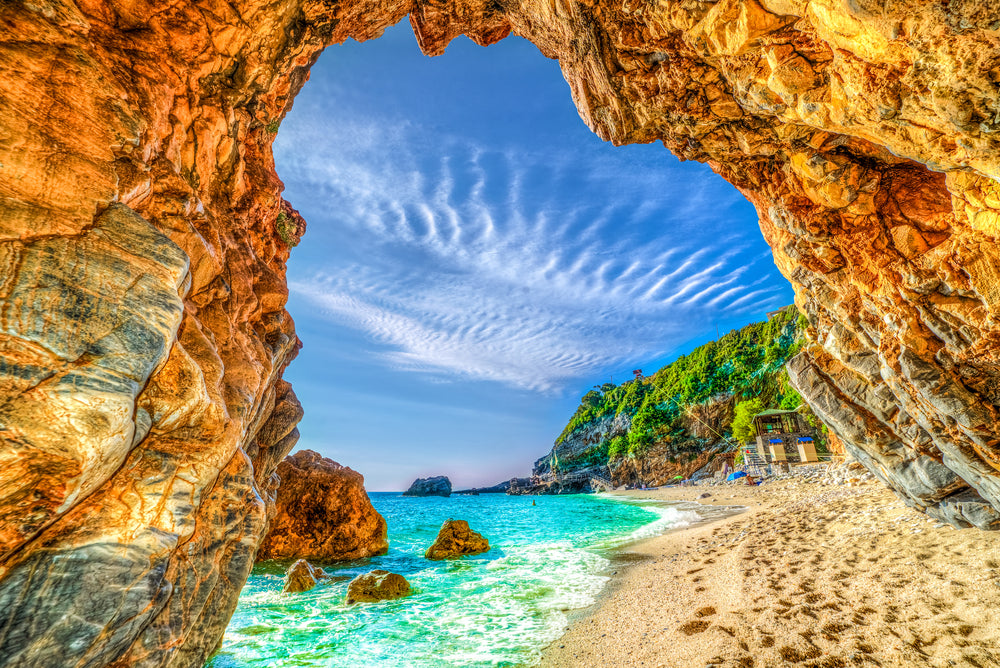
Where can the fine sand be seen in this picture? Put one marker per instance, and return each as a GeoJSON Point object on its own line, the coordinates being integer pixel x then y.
{"type": "Point", "coordinates": [809, 575]}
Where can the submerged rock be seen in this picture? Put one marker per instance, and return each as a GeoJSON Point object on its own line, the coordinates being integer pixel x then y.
{"type": "Point", "coordinates": [456, 539]}
{"type": "Point", "coordinates": [438, 485]}
{"type": "Point", "coordinates": [302, 576]}
{"type": "Point", "coordinates": [323, 513]}
{"type": "Point", "coordinates": [377, 585]}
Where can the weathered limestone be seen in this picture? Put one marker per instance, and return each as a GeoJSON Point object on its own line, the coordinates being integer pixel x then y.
{"type": "Point", "coordinates": [302, 576]}
{"type": "Point", "coordinates": [377, 585]}
{"type": "Point", "coordinates": [143, 241]}
{"type": "Point", "coordinates": [456, 539]}
{"type": "Point", "coordinates": [322, 513]}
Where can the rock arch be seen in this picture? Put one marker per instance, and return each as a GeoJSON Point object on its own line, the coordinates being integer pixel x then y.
{"type": "Point", "coordinates": [143, 240]}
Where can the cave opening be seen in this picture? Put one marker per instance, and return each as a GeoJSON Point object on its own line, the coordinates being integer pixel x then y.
{"type": "Point", "coordinates": [146, 241]}
{"type": "Point", "coordinates": [477, 258]}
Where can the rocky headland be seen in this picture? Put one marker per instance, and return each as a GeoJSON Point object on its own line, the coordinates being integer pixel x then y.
{"type": "Point", "coordinates": [438, 485]}
{"type": "Point", "coordinates": [322, 513]}
{"type": "Point", "coordinates": [499, 488]}
{"type": "Point", "coordinates": [676, 422]}
{"type": "Point", "coordinates": [144, 240]}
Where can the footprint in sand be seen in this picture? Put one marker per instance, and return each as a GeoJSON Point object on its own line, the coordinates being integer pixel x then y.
{"type": "Point", "coordinates": [964, 630]}
{"type": "Point", "coordinates": [694, 626]}
{"type": "Point", "coordinates": [792, 655]}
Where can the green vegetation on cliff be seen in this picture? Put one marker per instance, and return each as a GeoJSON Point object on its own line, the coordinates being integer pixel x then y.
{"type": "Point", "coordinates": [747, 363]}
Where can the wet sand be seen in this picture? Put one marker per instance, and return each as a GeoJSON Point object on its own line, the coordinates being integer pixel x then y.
{"type": "Point", "coordinates": [810, 575]}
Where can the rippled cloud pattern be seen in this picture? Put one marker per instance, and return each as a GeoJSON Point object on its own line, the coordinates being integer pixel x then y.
{"type": "Point", "coordinates": [531, 261]}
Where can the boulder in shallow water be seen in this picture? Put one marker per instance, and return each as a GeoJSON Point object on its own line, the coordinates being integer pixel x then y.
{"type": "Point", "coordinates": [377, 585]}
{"type": "Point", "coordinates": [302, 576]}
{"type": "Point", "coordinates": [456, 539]}
{"type": "Point", "coordinates": [323, 513]}
{"type": "Point", "coordinates": [438, 485]}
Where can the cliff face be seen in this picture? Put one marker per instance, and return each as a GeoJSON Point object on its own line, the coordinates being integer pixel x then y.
{"type": "Point", "coordinates": [661, 464]}
{"type": "Point", "coordinates": [322, 513]}
{"type": "Point", "coordinates": [580, 448]}
{"type": "Point", "coordinates": [144, 238]}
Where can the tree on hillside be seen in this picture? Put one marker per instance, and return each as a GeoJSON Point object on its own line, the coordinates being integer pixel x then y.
{"type": "Point", "coordinates": [743, 428]}
{"type": "Point", "coordinates": [591, 399]}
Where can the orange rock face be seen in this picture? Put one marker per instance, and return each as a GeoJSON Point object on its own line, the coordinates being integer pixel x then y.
{"type": "Point", "coordinates": [143, 241]}
{"type": "Point", "coordinates": [322, 513]}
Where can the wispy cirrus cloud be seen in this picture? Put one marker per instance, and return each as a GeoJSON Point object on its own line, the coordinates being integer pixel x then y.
{"type": "Point", "coordinates": [517, 265]}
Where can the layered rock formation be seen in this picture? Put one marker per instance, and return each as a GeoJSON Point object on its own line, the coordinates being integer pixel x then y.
{"type": "Point", "coordinates": [438, 485]}
{"type": "Point", "coordinates": [456, 539]}
{"type": "Point", "coordinates": [144, 241]}
{"type": "Point", "coordinates": [322, 513]}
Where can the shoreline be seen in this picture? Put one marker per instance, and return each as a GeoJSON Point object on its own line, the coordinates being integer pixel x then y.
{"type": "Point", "coordinates": [808, 575]}
{"type": "Point", "coordinates": [629, 554]}
{"type": "Point", "coordinates": [634, 553]}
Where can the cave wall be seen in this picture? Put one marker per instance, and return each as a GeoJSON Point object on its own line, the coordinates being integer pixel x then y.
{"type": "Point", "coordinates": [143, 242]}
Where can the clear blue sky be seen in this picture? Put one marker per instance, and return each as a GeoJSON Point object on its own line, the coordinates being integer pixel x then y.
{"type": "Point", "coordinates": [477, 259]}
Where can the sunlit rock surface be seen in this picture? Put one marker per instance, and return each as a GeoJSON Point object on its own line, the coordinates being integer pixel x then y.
{"type": "Point", "coordinates": [456, 539]}
{"type": "Point", "coordinates": [322, 513]}
{"type": "Point", "coordinates": [144, 243]}
{"type": "Point", "coordinates": [302, 576]}
{"type": "Point", "coordinates": [377, 585]}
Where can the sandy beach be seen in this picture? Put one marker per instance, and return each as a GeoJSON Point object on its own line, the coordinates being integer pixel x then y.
{"type": "Point", "coordinates": [809, 575]}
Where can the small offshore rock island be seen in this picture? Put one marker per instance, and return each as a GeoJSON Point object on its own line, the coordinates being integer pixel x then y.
{"type": "Point", "coordinates": [434, 486]}
{"type": "Point", "coordinates": [145, 238]}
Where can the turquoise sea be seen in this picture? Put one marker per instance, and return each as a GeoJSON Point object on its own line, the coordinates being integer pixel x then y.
{"type": "Point", "coordinates": [497, 609]}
